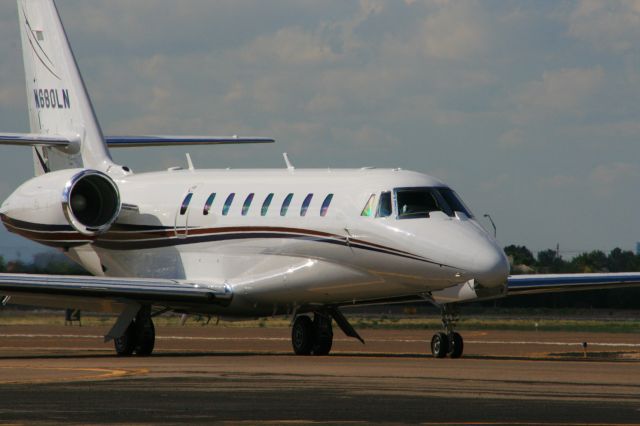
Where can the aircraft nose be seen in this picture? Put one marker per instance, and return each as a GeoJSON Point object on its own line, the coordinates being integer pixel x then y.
{"type": "Point", "coordinates": [491, 267]}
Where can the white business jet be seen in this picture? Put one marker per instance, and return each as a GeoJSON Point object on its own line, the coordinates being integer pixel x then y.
{"type": "Point", "coordinates": [234, 243]}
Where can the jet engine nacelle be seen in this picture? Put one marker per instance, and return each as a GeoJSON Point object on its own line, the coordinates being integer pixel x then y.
{"type": "Point", "coordinates": [88, 200]}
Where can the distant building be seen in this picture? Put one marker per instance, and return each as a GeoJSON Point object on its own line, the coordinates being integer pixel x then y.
{"type": "Point", "coordinates": [638, 248]}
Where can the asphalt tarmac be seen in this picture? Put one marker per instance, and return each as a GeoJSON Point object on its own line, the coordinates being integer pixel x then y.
{"type": "Point", "coordinates": [56, 374]}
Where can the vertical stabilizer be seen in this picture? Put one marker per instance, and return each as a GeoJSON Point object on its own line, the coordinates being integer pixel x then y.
{"type": "Point", "coordinates": [57, 98]}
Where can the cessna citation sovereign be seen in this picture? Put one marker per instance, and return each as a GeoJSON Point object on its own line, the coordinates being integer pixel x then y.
{"type": "Point", "coordinates": [234, 243]}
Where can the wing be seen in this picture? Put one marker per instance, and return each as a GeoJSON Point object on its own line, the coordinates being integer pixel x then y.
{"type": "Point", "coordinates": [555, 283]}
{"type": "Point", "coordinates": [163, 140]}
{"type": "Point", "coordinates": [170, 293]}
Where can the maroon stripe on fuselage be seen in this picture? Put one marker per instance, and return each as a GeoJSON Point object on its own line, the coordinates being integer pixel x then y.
{"type": "Point", "coordinates": [140, 237]}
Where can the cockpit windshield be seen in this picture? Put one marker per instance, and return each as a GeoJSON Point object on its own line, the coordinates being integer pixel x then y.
{"type": "Point", "coordinates": [414, 203]}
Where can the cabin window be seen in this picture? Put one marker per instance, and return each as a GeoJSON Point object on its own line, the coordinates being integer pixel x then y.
{"type": "Point", "coordinates": [285, 204]}
{"type": "Point", "coordinates": [185, 203]}
{"type": "Point", "coordinates": [247, 204]}
{"type": "Point", "coordinates": [266, 204]}
{"type": "Point", "coordinates": [384, 205]}
{"type": "Point", "coordinates": [369, 207]}
{"type": "Point", "coordinates": [227, 204]}
{"type": "Point", "coordinates": [305, 205]}
{"type": "Point", "coordinates": [325, 205]}
{"type": "Point", "coordinates": [208, 203]}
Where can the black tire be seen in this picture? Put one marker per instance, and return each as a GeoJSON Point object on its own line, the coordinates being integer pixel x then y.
{"type": "Point", "coordinates": [146, 337]}
{"type": "Point", "coordinates": [302, 335]}
{"type": "Point", "coordinates": [126, 344]}
{"type": "Point", "coordinates": [456, 345]}
{"type": "Point", "coordinates": [323, 345]}
{"type": "Point", "coordinates": [323, 332]}
{"type": "Point", "coordinates": [439, 345]}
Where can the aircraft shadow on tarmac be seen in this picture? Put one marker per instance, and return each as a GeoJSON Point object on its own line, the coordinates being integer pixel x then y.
{"type": "Point", "coordinates": [554, 357]}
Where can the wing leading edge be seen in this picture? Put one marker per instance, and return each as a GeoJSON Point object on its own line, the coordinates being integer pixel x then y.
{"type": "Point", "coordinates": [556, 283]}
{"type": "Point", "coordinates": [149, 291]}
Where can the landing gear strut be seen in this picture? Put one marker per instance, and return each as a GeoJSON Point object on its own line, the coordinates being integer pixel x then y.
{"type": "Point", "coordinates": [139, 337]}
{"type": "Point", "coordinates": [449, 342]}
{"type": "Point", "coordinates": [312, 337]}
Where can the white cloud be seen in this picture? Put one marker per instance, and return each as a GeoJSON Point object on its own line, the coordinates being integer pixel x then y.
{"type": "Point", "coordinates": [607, 24]}
{"type": "Point", "coordinates": [293, 46]}
{"type": "Point", "coordinates": [454, 31]}
{"type": "Point", "coordinates": [512, 138]}
{"type": "Point", "coordinates": [606, 175]}
{"type": "Point", "coordinates": [566, 91]}
{"type": "Point", "coordinates": [444, 31]}
{"type": "Point", "coordinates": [558, 182]}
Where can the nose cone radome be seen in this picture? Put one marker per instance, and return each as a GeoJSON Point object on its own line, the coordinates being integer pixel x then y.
{"type": "Point", "coordinates": [491, 267]}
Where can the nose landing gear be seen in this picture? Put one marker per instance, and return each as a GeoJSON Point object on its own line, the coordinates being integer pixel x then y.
{"type": "Point", "coordinates": [448, 343]}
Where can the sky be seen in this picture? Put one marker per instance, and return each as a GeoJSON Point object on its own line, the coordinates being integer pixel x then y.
{"type": "Point", "coordinates": [529, 110]}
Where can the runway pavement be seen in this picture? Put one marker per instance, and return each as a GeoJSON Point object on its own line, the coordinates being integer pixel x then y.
{"type": "Point", "coordinates": [215, 374]}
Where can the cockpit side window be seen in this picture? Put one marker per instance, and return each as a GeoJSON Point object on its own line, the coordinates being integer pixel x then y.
{"type": "Point", "coordinates": [384, 205]}
{"type": "Point", "coordinates": [420, 202]}
{"type": "Point", "coordinates": [368, 208]}
{"type": "Point", "coordinates": [454, 201]}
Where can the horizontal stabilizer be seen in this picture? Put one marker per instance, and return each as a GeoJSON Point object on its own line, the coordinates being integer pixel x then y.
{"type": "Point", "coordinates": [163, 140]}
{"type": "Point", "coordinates": [31, 139]}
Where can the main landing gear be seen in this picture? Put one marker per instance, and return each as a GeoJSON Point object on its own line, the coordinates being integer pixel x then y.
{"type": "Point", "coordinates": [448, 343]}
{"type": "Point", "coordinates": [315, 336]}
{"type": "Point", "coordinates": [140, 336]}
{"type": "Point", "coordinates": [312, 337]}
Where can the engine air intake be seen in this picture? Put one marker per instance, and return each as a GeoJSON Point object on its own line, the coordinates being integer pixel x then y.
{"type": "Point", "coordinates": [91, 202]}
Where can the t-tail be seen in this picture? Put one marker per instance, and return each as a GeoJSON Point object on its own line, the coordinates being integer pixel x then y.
{"type": "Point", "coordinates": [64, 130]}
{"type": "Point", "coordinates": [65, 133]}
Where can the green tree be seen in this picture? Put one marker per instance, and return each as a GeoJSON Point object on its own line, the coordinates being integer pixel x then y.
{"type": "Point", "coordinates": [550, 262]}
{"type": "Point", "coordinates": [520, 255]}
{"type": "Point", "coordinates": [622, 261]}
{"type": "Point", "coordinates": [595, 261]}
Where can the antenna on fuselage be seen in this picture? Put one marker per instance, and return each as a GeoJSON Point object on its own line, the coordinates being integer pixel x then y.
{"type": "Point", "coordinates": [287, 162]}
{"type": "Point", "coordinates": [189, 162]}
